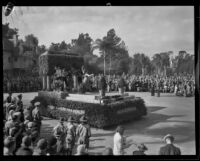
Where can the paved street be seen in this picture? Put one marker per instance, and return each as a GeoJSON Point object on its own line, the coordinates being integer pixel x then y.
{"type": "Point", "coordinates": [166, 114]}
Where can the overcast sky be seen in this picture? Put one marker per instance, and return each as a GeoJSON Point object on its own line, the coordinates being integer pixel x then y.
{"type": "Point", "coordinates": [144, 29]}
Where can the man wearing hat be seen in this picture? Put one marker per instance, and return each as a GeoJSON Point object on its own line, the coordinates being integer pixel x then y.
{"type": "Point", "coordinates": [52, 146]}
{"type": "Point", "coordinates": [71, 136]}
{"type": "Point", "coordinates": [141, 149]}
{"type": "Point", "coordinates": [41, 147]}
{"type": "Point", "coordinates": [9, 146]}
{"type": "Point", "coordinates": [9, 98]}
{"type": "Point", "coordinates": [83, 131]}
{"type": "Point", "coordinates": [60, 130]}
{"type": "Point", "coordinates": [169, 148]}
{"type": "Point", "coordinates": [37, 116]}
{"type": "Point", "coordinates": [25, 147]}
{"type": "Point", "coordinates": [20, 108]}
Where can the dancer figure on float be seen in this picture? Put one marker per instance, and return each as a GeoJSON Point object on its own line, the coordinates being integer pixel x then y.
{"type": "Point", "coordinates": [86, 79]}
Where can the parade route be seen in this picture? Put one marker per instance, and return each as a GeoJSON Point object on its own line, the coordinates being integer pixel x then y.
{"type": "Point", "coordinates": [166, 114]}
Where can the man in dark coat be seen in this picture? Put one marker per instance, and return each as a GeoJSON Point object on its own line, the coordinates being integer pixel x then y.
{"type": "Point", "coordinates": [20, 107]}
{"type": "Point", "coordinates": [37, 116]}
{"type": "Point", "coordinates": [83, 132]}
{"type": "Point", "coordinates": [51, 146]}
{"type": "Point", "coordinates": [169, 148]}
{"type": "Point", "coordinates": [24, 149]}
{"type": "Point", "coordinates": [9, 98]}
{"type": "Point", "coordinates": [71, 136]}
{"type": "Point", "coordinates": [141, 149]}
{"type": "Point", "coordinates": [41, 147]}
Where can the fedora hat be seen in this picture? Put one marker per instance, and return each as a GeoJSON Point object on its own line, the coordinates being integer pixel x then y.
{"type": "Point", "coordinates": [37, 103]}
{"type": "Point", "coordinates": [142, 147]}
{"type": "Point", "coordinates": [70, 119]}
{"type": "Point", "coordinates": [171, 137]}
{"type": "Point", "coordinates": [83, 119]}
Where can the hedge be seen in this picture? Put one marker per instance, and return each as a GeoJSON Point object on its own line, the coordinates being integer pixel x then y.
{"type": "Point", "coordinates": [99, 115]}
{"type": "Point", "coordinates": [48, 61]}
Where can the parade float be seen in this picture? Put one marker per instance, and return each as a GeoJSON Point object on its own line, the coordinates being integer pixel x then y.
{"type": "Point", "coordinates": [102, 110]}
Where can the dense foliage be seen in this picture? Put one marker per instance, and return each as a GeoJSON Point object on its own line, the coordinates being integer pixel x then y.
{"type": "Point", "coordinates": [113, 58]}
{"type": "Point", "coordinates": [102, 83]}
{"type": "Point", "coordinates": [99, 115]}
{"type": "Point", "coordinates": [48, 62]}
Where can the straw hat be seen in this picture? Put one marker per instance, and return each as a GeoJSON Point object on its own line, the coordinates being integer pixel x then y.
{"type": "Point", "coordinates": [171, 137]}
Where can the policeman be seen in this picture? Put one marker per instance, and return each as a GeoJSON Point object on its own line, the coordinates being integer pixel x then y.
{"type": "Point", "coordinates": [71, 136]}
{"type": "Point", "coordinates": [59, 132]}
{"type": "Point", "coordinates": [37, 116]}
{"type": "Point", "coordinates": [83, 132]}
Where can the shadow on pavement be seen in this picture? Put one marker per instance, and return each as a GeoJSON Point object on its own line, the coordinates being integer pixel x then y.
{"type": "Point", "coordinates": [100, 139]}
{"type": "Point", "coordinates": [103, 135]}
{"type": "Point", "coordinates": [46, 131]}
{"type": "Point", "coordinates": [97, 147]}
{"type": "Point", "coordinates": [154, 108]}
{"type": "Point", "coordinates": [182, 130]}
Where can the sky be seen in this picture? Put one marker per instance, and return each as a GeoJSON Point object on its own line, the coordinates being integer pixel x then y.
{"type": "Point", "coordinates": [144, 29]}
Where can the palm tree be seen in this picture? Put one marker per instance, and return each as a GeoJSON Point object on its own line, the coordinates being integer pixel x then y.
{"type": "Point", "coordinates": [107, 45]}
{"type": "Point", "coordinates": [165, 61]}
{"type": "Point", "coordinates": [157, 62]}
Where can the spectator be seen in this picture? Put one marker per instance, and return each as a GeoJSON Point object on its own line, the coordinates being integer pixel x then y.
{"type": "Point", "coordinates": [169, 148]}
{"type": "Point", "coordinates": [41, 147]}
{"type": "Point", "coordinates": [118, 141]}
{"type": "Point", "coordinates": [60, 133]}
{"type": "Point", "coordinates": [37, 116]}
{"type": "Point", "coordinates": [28, 114]}
{"type": "Point", "coordinates": [71, 136]}
{"type": "Point", "coordinates": [9, 146]}
{"type": "Point", "coordinates": [141, 149]}
{"type": "Point", "coordinates": [25, 147]}
{"type": "Point", "coordinates": [52, 146]}
{"type": "Point", "coordinates": [9, 98]}
{"type": "Point", "coordinates": [83, 132]}
{"type": "Point", "coordinates": [34, 138]}
{"type": "Point", "coordinates": [107, 151]}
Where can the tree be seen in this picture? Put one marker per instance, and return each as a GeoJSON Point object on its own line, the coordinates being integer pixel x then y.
{"type": "Point", "coordinates": [108, 45]}
{"type": "Point", "coordinates": [8, 32]}
{"type": "Point", "coordinates": [157, 62]}
{"type": "Point", "coordinates": [31, 41]}
{"type": "Point", "coordinates": [82, 44]}
{"type": "Point", "coordinates": [165, 59]}
{"type": "Point", "coordinates": [63, 46]}
{"type": "Point", "coordinates": [139, 64]}
{"type": "Point", "coordinates": [184, 63]}
{"type": "Point", "coordinates": [54, 47]}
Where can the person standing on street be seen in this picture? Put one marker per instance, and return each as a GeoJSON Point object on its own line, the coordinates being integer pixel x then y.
{"type": "Point", "coordinates": [83, 132]}
{"type": "Point", "coordinates": [118, 141]}
{"type": "Point", "coordinates": [169, 148]}
{"type": "Point", "coordinates": [71, 136]}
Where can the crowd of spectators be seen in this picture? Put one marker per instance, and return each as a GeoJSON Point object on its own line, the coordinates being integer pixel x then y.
{"type": "Point", "coordinates": [179, 85]}
{"type": "Point", "coordinates": [22, 134]}
{"type": "Point", "coordinates": [22, 84]}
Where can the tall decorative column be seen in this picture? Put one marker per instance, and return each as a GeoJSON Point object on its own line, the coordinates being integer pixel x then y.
{"type": "Point", "coordinates": [75, 82]}
{"type": "Point", "coordinates": [48, 82]}
{"type": "Point", "coordinates": [44, 82]}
